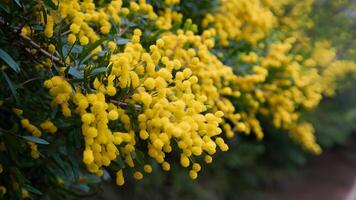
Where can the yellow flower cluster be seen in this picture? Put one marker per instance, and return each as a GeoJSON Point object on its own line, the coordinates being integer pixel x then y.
{"type": "Point", "coordinates": [167, 18]}
{"type": "Point", "coordinates": [304, 134]}
{"type": "Point", "coordinates": [335, 72]}
{"type": "Point", "coordinates": [238, 20]}
{"type": "Point", "coordinates": [323, 54]}
{"type": "Point", "coordinates": [293, 18]}
{"type": "Point", "coordinates": [83, 17]}
{"type": "Point", "coordinates": [34, 150]}
{"type": "Point", "coordinates": [100, 141]}
{"type": "Point", "coordinates": [48, 126]}
{"type": "Point", "coordinates": [31, 128]}
{"type": "Point", "coordinates": [171, 98]}
{"type": "Point", "coordinates": [61, 91]}
{"type": "Point", "coordinates": [211, 78]}
{"type": "Point", "coordinates": [284, 86]}
{"type": "Point", "coordinates": [184, 95]}
{"type": "Point", "coordinates": [331, 69]}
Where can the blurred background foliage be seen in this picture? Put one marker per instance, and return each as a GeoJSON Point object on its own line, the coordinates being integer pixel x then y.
{"type": "Point", "coordinates": [335, 21]}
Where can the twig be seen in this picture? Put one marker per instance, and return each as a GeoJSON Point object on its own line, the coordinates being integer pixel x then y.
{"type": "Point", "coordinates": [120, 103]}
{"type": "Point", "coordinates": [44, 52]}
{"type": "Point", "coordinates": [30, 80]}
{"type": "Point", "coordinates": [37, 46]}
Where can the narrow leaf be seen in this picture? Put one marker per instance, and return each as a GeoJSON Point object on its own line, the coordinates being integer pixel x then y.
{"type": "Point", "coordinates": [12, 86]}
{"type": "Point", "coordinates": [99, 70]}
{"type": "Point", "coordinates": [18, 3]}
{"type": "Point", "coordinates": [74, 72]}
{"type": "Point", "coordinates": [50, 4]}
{"type": "Point", "coordinates": [35, 139]}
{"type": "Point", "coordinates": [32, 189]}
{"type": "Point", "coordinates": [89, 49]}
{"type": "Point", "coordinates": [5, 8]}
{"type": "Point", "coordinates": [122, 41]}
{"type": "Point", "coordinates": [8, 59]}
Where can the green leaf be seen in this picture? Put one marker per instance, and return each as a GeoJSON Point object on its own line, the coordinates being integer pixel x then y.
{"type": "Point", "coordinates": [82, 187]}
{"type": "Point", "coordinates": [74, 72]}
{"type": "Point", "coordinates": [18, 3]}
{"type": "Point", "coordinates": [8, 59]}
{"type": "Point", "coordinates": [139, 156]}
{"type": "Point", "coordinates": [120, 162]}
{"type": "Point", "coordinates": [58, 160]}
{"type": "Point", "coordinates": [50, 4]}
{"type": "Point", "coordinates": [12, 87]}
{"type": "Point", "coordinates": [36, 140]}
{"type": "Point", "coordinates": [59, 42]}
{"type": "Point", "coordinates": [32, 189]}
{"type": "Point", "coordinates": [73, 161]}
{"type": "Point", "coordinates": [89, 49]}
{"type": "Point", "coordinates": [122, 41]}
{"type": "Point", "coordinates": [5, 8]}
{"type": "Point", "coordinates": [99, 70]}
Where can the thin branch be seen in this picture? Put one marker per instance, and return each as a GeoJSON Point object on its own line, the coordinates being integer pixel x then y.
{"type": "Point", "coordinates": [44, 52]}
{"type": "Point", "coordinates": [34, 44]}
{"type": "Point", "coordinates": [30, 80]}
{"type": "Point", "coordinates": [124, 104]}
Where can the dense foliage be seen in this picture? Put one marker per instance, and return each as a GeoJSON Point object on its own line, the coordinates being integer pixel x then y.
{"type": "Point", "coordinates": [95, 90]}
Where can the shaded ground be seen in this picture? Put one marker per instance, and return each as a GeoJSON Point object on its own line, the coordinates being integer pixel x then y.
{"type": "Point", "coordinates": [330, 176]}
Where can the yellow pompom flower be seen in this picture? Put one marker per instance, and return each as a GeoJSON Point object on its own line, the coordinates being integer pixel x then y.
{"type": "Point", "coordinates": [84, 40]}
{"type": "Point", "coordinates": [71, 38]}
{"type": "Point", "coordinates": [88, 156]}
{"type": "Point", "coordinates": [51, 48]}
{"type": "Point", "coordinates": [193, 174]}
{"type": "Point", "coordinates": [138, 175]}
{"type": "Point", "coordinates": [147, 169]}
{"type": "Point", "coordinates": [166, 166]}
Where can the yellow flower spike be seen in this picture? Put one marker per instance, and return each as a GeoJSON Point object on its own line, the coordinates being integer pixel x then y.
{"type": "Point", "coordinates": [134, 6]}
{"type": "Point", "coordinates": [137, 32]}
{"type": "Point", "coordinates": [51, 48]}
{"type": "Point", "coordinates": [184, 161]}
{"type": "Point", "coordinates": [111, 90]}
{"type": "Point", "coordinates": [112, 46]}
{"type": "Point", "coordinates": [120, 178]}
{"type": "Point", "coordinates": [193, 174]}
{"type": "Point", "coordinates": [149, 83]}
{"type": "Point", "coordinates": [144, 134]}
{"type": "Point", "coordinates": [125, 11]}
{"type": "Point", "coordinates": [25, 123]}
{"type": "Point", "coordinates": [160, 43]}
{"type": "Point", "coordinates": [88, 118]}
{"type": "Point", "coordinates": [166, 166]}
{"type": "Point", "coordinates": [88, 156]}
{"type": "Point", "coordinates": [91, 132]}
